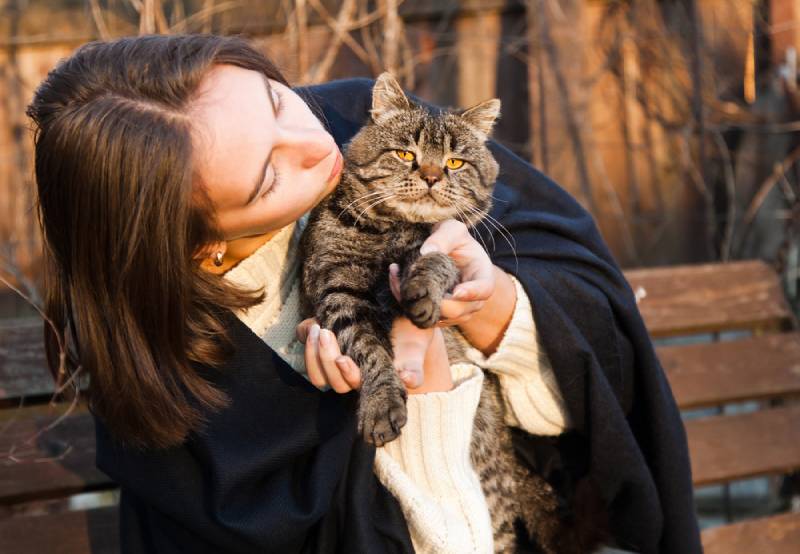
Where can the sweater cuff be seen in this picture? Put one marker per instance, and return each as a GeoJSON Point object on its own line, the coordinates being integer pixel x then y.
{"type": "Point", "coordinates": [429, 470]}
{"type": "Point", "coordinates": [519, 343]}
{"type": "Point", "coordinates": [528, 385]}
{"type": "Point", "coordinates": [436, 437]}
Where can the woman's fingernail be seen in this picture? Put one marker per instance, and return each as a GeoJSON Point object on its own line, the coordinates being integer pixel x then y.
{"type": "Point", "coordinates": [458, 294]}
{"type": "Point", "coordinates": [314, 332]}
{"type": "Point", "coordinates": [325, 337]}
{"type": "Point", "coordinates": [341, 363]}
{"type": "Point", "coordinates": [428, 248]}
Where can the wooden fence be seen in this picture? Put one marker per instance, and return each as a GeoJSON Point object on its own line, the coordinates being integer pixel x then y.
{"type": "Point", "coordinates": [639, 109]}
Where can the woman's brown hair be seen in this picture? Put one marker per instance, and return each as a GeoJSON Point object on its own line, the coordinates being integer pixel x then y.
{"type": "Point", "coordinates": [123, 220]}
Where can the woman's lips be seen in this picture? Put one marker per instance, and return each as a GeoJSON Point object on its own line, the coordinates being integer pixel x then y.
{"type": "Point", "coordinates": [337, 166]}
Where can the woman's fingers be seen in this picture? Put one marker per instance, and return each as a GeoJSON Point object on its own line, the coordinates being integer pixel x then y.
{"type": "Point", "coordinates": [303, 329]}
{"type": "Point", "coordinates": [394, 280]}
{"type": "Point", "coordinates": [456, 311]}
{"type": "Point", "coordinates": [313, 366]}
{"type": "Point", "coordinates": [445, 237]}
{"type": "Point", "coordinates": [325, 363]}
{"type": "Point", "coordinates": [478, 289]}
{"type": "Point", "coordinates": [328, 353]}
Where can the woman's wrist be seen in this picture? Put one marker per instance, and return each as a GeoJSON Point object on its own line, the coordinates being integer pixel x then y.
{"type": "Point", "coordinates": [436, 367]}
{"type": "Point", "coordinates": [485, 329]}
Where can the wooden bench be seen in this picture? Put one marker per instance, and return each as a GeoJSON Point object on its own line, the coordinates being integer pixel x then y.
{"type": "Point", "coordinates": [36, 476]}
{"type": "Point", "coordinates": [764, 365]}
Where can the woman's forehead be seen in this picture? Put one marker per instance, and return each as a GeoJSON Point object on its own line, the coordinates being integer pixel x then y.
{"type": "Point", "coordinates": [232, 124]}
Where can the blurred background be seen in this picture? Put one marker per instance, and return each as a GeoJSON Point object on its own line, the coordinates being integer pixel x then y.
{"type": "Point", "coordinates": [674, 122]}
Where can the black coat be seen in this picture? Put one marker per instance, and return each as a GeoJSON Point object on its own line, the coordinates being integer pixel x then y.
{"type": "Point", "coordinates": [282, 469]}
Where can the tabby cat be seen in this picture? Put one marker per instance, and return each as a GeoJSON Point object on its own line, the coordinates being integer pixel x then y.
{"type": "Point", "coordinates": [405, 170]}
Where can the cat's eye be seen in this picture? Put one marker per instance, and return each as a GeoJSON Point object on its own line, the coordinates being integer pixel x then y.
{"type": "Point", "coordinates": [405, 155]}
{"type": "Point", "coordinates": [454, 163]}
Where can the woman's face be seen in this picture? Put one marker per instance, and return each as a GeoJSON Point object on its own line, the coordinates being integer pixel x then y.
{"type": "Point", "coordinates": [263, 158]}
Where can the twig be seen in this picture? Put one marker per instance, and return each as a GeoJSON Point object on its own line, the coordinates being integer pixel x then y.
{"type": "Point", "coordinates": [730, 189]}
{"type": "Point", "coordinates": [97, 16]}
{"type": "Point", "coordinates": [391, 34]}
{"type": "Point", "coordinates": [203, 16]}
{"type": "Point", "coordinates": [763, 190]}
{"type": "Point", "coordinates": [340, 27]}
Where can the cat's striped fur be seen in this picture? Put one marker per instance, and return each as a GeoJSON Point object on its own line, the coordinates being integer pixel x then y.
{"type": "Point", "coordinates": [381, 212]}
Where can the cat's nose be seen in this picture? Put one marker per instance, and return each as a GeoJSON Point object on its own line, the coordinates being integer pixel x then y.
{"type": "Point", "coordinates": [431, 174]}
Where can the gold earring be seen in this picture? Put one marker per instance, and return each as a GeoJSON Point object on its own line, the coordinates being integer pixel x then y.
{"type": "Point", "coordinates": [218, 259]}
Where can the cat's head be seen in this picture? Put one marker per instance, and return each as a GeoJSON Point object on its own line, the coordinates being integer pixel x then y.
{"type": "Point", "coordinates": [409, 164]}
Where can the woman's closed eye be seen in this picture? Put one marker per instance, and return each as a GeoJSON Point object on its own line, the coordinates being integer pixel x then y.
{"type": "Point", "coordinates": [275, 183]}
{"type": "Point", "coordinates": [278, 102]}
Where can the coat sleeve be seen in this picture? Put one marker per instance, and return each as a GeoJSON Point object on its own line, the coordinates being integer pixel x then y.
{"type": "Point", "coordinates": [281, 469]}
{"type": "Point", "coordinates": [625, 425]}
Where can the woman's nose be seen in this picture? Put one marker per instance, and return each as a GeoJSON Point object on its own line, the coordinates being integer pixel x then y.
{"type": "Point", "coordinates": [308, 146]}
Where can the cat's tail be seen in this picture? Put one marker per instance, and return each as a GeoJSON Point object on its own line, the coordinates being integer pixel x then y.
{"type": "Point", "coordinates": [560, 529]}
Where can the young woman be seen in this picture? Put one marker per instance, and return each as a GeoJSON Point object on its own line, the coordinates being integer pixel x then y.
{"type": "Point", "coordinates": [173, 175]}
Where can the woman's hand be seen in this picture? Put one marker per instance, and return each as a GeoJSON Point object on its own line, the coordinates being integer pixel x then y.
{"type": "Point", "coordinates": [478, 278]}
{"type": "Point", "coordinates": [325, 363]}
{"type": "Point", "coordinates": [420, 358]}
{"type": "Point", "coordinates": [482, 304]}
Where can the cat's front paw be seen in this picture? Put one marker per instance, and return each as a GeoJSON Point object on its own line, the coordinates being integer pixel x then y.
{"type": "Point", "coordinates": [428, 278]}
{"type": "Point", "coordinates": [382, 413]}
{"type": "Point", "coordinates": [420, 301]}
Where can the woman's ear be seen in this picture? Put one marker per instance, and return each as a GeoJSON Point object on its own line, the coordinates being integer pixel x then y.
{"type": "Point", "coordinates": [482, 116]}
{"type": "Point", "coordinates": [211, 255]}
{"type": "Point", "coordinates": [387, 96]}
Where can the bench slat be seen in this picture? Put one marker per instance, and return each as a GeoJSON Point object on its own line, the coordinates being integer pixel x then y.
{"type": "Point", "coordinates": [23, 366]}
{"type": "Point", "coordinates": [709, 297]}
{"type": "Point", "coordinates": [59, 463]}
{"type": "Point", "coordinates": [94, 531]}
{"type": "Point", "coordinates": [731, 371]}
{"type": "Point", "coordinates": [729, 447]}
{"type": "Point", "coordinates": [778, 534]}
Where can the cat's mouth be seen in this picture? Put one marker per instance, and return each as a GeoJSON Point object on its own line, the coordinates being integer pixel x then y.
{"type": "Point", "coordinates": [430, 197]}
{"type": "Point", "coordinates": [427, 207]}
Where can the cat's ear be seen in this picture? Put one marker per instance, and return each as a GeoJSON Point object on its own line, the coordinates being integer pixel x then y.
{"type": "Point", "coordinates": [482, 116]}
{"type": "Point", "coordinates": [387, 96]}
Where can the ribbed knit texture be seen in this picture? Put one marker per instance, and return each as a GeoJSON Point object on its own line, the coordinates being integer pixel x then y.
{"type": "Point", "coordinates": [532, 399]}
{"type": "Point", "coordinates": [276, 267]}
{"type": "Point", "coordinates": [427, 468]}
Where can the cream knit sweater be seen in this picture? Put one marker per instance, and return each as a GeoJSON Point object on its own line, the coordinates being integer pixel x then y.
{"type": "Point", "coordinates": [428, 467]}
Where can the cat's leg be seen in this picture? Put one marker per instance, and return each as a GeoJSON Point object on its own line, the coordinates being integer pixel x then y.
{"type": "Point", "coordinates": [423, 283]}
{"type": "Point", "coordinates": [491, 453]}
{"type": "Point", "coordinates": [362, 329]}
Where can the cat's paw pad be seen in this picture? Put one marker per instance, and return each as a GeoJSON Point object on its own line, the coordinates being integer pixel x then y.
{"type": "Point", "coordinates": [382, 415]}
{"type": "Point", "coordinates": [419, 304]}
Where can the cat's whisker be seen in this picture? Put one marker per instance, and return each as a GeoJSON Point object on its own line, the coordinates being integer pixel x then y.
{"type": "Point", "coordinates": [465, 220]}
{"type": "Point", "coordinates": [500, 228]}
{"type": "Point", "coordinates": [369, 196]}
{"type": "Point", "coordinates": [499, 199]}
{"type": "Point", "coordinates": [373, 205]}
{"type": "Point", "coordinates": [456, 204]}
{"type": "Point", "coordinates": [505, 233]}
{"type": "Point", "coordinates": [481, 215]}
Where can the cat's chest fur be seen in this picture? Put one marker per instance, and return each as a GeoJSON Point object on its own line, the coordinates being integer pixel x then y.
{"type": "Point", "coordinates": [380, 242]}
